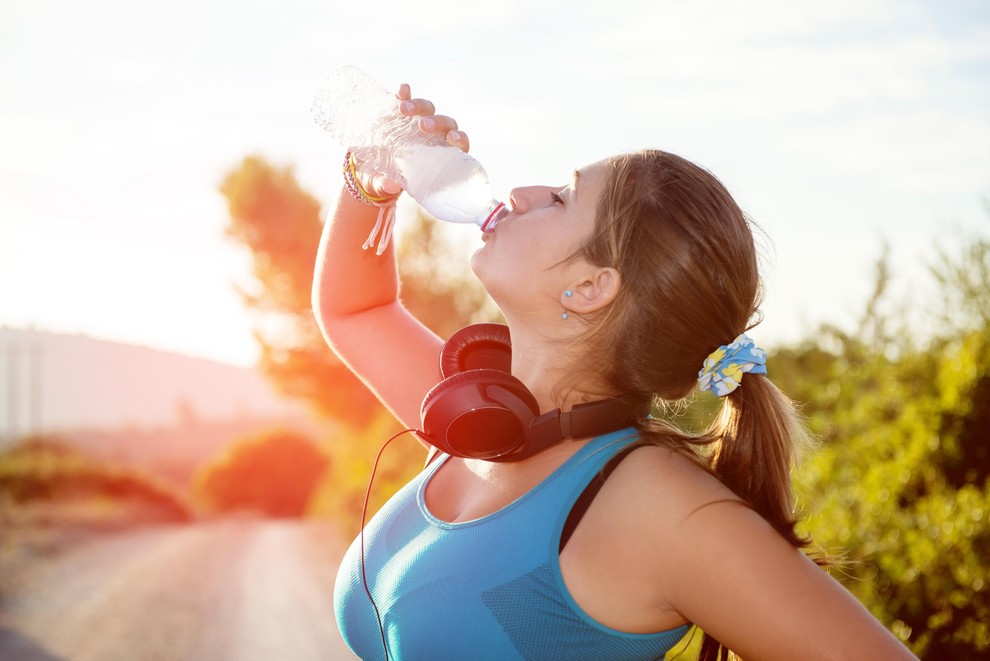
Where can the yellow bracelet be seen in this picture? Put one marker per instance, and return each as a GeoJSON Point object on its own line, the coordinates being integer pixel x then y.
{"type": "Point", "coordinates": [354, 187]}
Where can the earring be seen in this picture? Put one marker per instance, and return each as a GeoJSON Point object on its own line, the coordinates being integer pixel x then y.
{"type": "Point", "coordinates": [568, 293]}
{"type": "Point", "coordinates": [563, 316]}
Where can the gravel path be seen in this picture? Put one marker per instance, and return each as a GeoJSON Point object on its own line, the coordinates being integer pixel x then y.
{"type": "Point", "coordinates": [240, 590]}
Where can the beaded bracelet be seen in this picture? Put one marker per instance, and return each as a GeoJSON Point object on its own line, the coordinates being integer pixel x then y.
{"type": "Point", "coordinates": [355, 188]}
{"type": "Point", "coordinates": [385, 205]}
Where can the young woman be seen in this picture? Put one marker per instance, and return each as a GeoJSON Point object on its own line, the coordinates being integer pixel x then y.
{"type": "Point", "coordinates": [620, 287]}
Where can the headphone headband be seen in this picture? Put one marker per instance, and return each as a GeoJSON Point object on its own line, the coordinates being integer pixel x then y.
{"type": "Point", "coordinates": [590, 419]}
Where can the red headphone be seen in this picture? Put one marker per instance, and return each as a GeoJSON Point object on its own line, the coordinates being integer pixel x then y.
{"type": "Point", "coordinates": [479, 410]}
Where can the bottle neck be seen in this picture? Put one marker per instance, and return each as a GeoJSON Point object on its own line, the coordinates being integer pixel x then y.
{"type": "Point", "coordinates": [495, 214]}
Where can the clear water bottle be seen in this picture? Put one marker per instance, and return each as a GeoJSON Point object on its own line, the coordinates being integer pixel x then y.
{"type": "Point", "coordinates": [448, 183]}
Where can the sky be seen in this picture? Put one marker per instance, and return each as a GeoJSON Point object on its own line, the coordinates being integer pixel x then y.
{"type": "Point", "coordinates": [839, 127]}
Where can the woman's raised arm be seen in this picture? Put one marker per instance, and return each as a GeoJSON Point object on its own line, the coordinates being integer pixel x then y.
{"type": "Point", "coordinates": [355, 294]}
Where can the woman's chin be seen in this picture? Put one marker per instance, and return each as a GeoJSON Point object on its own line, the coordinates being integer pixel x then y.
{"type": "Point", "coordinates": [476, 262]}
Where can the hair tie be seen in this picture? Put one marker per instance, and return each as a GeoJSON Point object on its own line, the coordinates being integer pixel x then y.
{"type": "Point", "coordinates": [724, 367]}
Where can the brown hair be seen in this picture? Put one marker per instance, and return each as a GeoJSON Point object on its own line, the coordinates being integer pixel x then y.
{"type": "Point", "coordinates": [690, 283]}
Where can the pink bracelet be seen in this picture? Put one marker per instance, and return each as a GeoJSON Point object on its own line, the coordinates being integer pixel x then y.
{"type": "Point", "coordinates": [386, 206]}
{"type": "Point", "coordinates": [357, 191]}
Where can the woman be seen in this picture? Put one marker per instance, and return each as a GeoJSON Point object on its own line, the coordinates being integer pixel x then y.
{"type": "Point", "coordinates": [618, 287]}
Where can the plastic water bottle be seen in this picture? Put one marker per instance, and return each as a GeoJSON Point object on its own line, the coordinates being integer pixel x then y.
{"type": "Point", "coordinates": [448, 183]}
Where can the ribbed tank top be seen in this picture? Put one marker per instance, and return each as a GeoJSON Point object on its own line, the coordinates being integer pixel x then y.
{"type": "Point", "coordinates": [490, 588]}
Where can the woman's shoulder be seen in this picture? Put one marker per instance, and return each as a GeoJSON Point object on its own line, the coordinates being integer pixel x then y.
{"type": "Point", "coordinates": [658, 487]}
{"type": "Point", "coordinates": [644, 522]}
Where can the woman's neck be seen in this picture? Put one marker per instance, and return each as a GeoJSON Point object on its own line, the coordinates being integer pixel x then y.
{"type": "Point", "coordinates": [541, 360]}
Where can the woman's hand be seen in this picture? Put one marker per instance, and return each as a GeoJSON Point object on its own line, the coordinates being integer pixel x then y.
{"type": "Point", "coordinates": [429, 123]}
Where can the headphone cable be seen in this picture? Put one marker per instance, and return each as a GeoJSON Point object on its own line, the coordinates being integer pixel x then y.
{"type": "Point", "coordinates": [364, 516]}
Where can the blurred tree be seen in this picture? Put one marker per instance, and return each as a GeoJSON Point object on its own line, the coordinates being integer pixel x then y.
{"type": "Point", "coordinates": [280, 224]}
{"type": "Point", "coordinates": [964, 279]}
{"type": "Point", "coordinates": [963, 271]}
{"type": "Point", "coordinates": [899, 486]}
{"type": "Point", "coordinates": [273, 473]}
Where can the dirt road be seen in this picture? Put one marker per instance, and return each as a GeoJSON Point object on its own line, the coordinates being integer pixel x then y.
{"type": "Point", "coordinates": [229, 590]}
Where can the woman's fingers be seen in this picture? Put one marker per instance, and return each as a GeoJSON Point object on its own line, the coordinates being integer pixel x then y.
{"type": "Point", "coordinates": [429, 121]}
{"type": "Point", "coordinates": [417, 107]}
{"type": "Point", "coordinates": [458, 139]}
{"type": "Point", "coordinates": [437, 124]}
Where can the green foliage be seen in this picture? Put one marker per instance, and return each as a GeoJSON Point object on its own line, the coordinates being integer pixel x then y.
{"type": "Point", "coordinates": [963, 273]}
{"type": "Point", "coordinates": [900, 484]}
{"type": "Point", "coordinates": [916, 543]}
{"type": "Point", "coordinates": [43, 470]}
{"type": "Point", "coordinates": [272, 473]}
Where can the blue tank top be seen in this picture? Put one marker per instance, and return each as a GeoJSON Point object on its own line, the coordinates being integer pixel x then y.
{"type": "Point", "coordinates": [490, 588]}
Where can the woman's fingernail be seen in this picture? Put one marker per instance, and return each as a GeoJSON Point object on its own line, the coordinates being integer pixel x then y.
{"type": "Point", "coordinates": [429, 123]}
{"type": "Point", "coordinates": [454, 135]}
{"type": "Point", "coordinates": [407, 106]}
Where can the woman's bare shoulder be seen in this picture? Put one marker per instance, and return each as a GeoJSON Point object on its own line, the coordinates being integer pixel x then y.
{"type": "Point", "coordinates": [714, 560]}
{"type": "Point", "coordinates": [664, 486]}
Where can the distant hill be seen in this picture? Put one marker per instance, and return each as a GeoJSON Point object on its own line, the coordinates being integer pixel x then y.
{"type": "Point", "coordinates": [52, 382]}
{"type": "Point", "coordinates": [161, 412]}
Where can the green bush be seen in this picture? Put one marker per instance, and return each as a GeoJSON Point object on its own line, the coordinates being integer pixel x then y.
{"type": "Point", "coordinates": [892, 489]}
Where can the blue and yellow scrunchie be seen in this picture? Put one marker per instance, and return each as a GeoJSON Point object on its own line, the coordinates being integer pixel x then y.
{"type": "Point", "coordinates": [725, 366]}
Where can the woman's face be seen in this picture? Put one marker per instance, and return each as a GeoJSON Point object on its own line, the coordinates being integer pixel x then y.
{"type": "Point", "coordinates": [522, 261]}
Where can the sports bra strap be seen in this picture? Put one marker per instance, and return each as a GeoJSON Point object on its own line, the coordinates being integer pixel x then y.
{"type": "Point", "coordinates": [584, 500]}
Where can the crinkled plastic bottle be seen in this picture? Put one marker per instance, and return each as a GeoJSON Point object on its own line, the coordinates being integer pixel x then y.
{"type": "Point", "coordinates": [448, 183]}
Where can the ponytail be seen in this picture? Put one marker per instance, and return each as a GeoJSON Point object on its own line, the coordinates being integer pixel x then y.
{"type": "Point", "coordinates": [754, 440]}
{"type": "Point", "coordinates": [756, 436]}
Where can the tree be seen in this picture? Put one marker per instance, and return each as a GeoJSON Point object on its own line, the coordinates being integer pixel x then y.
{"type": "Point", "coordinates": [900, 484]}
{"type": "Point", "coordinates": [279, 223]}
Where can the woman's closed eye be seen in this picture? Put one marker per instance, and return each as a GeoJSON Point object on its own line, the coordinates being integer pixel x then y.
{"type": "Point", "coordinates": [557, 199]}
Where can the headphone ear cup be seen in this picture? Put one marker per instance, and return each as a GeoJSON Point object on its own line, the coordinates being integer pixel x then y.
{"type": "Point", "coordinates": [479, 414]}
{"type": "Point", "coordinates": [478, 346]}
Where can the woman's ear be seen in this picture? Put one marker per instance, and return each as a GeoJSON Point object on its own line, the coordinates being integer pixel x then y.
{"type": "Point", "coordinates": [593, 292]}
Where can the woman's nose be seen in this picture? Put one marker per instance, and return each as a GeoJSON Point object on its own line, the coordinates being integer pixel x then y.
{"type": "Point", "coordinates": [525, 198]}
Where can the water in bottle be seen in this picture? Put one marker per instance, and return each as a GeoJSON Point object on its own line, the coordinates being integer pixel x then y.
{"type": "Point", "coordinates": [448, 183]}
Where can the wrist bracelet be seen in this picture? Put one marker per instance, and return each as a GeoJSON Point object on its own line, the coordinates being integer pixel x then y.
{"type": "Point", "coordinates": [357, 191]}
{"type": "Point", "coordinates": [386, 206]}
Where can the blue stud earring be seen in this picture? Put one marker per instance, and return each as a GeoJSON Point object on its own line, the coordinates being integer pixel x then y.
{"type": "Point", "coordinates": [563, 316]}
{"type": "Point", "coordinates": [568, 293]}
